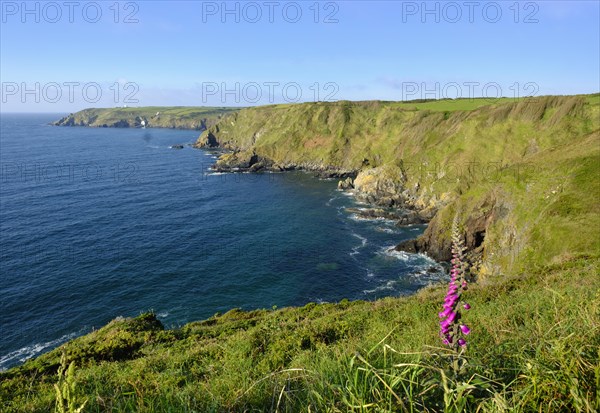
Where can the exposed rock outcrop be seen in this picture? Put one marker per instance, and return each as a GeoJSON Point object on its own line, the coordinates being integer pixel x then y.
{"type": "Point", "coordinates": [436, 243]}
{"type": "Point", "coordinates": [241, 161]}
{"type": "Point", "coordinates": [401, 216]}
{"type": "Point", "coordinates": [345, 184]}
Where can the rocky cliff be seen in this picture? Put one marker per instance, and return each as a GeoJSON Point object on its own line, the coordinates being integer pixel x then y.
{"type": "Point", "coordinates": [503, 166]}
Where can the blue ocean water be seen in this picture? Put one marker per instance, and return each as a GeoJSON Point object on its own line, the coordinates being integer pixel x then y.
{"type": "Point", "coordinates": [100, 223]}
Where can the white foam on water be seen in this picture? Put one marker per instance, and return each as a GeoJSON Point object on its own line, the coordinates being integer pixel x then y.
{"type": "Point", "coordinates": [27, 352]}
{"type": "Point", "coordinates": [328, 203]}
{"type": "Point", "coordinates": [390, 285]}
{"type": "Point", "coordinates": [386, 230]}
{"type": "Point", "coordinates": [391, 252]}
{"type": "Point", "coordinates": [424, 277]}
{"type": "Point", "coordinates": [358, 218]}
{"type": "Point", "coordinates": [363, 243]}
{"type": "Point", "coordinates": [362, 239]}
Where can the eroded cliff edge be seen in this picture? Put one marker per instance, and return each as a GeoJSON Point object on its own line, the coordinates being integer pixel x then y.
{"type": "Point", "coordinates": [506, 167]}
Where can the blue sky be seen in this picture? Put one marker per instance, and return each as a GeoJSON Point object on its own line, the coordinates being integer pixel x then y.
{"type": "Point", "coordinates": [61, 57]}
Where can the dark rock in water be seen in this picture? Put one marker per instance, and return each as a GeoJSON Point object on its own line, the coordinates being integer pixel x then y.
{"type": "Point", "coordinates": [241, 161]}
{"type": "Point", "coordinates": [410, 217]}
{"type": "Point", "coordinates": [426, 245]}
{"type": "Point", "coordinates": [402, 216]}
{"type": "Point", "coordinates": [410, 245]}
{"type": "Point", "coordinates": [179, 146]}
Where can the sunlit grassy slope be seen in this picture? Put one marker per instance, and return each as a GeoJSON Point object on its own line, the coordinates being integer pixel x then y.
{"type": "Point", "coordinates": [526, 163]}
{"type": "Point", "coordinates": [180, 117]}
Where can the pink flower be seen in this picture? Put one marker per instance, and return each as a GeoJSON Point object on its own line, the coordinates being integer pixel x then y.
{"type": "Point", "coordinates": [451, 329]}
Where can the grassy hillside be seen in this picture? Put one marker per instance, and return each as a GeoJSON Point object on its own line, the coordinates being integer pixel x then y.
{"type": "Point", "coordinates": [523, 179]}
{"type": "Point", "coordinates": [179, 117]}
{"type": "Point", "coordinates": [346, 134]}
{"type": "Point", "coordinates": [515, 164]}
{"type": "Point", "coordinates": [534, 347]}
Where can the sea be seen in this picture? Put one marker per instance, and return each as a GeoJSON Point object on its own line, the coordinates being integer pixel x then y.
{"type": "Point", "coordinates": [97, 223]}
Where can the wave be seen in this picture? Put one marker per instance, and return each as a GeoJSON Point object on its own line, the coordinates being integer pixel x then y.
{"type": "Point", "coordinates": [363, 243]}
{"type": "Point", "coordinates": [388, 286]}
{"type": "Point", "coordinates": [387, 230]}
{"type": "Point", "coordinates": [27, 352]}
{"type": "Point", "coordinates": [390, 251]}
{"type": "Point", "coordinates": [355, 217]}
{"type": "Point", "coordinates": [358, 218]}
{"type": "Point", "coordinates": [362, 239]}
{"type": "Point", "coordinates": [329, 202]}
{"type": "Point", "coordinates": [426, 276]}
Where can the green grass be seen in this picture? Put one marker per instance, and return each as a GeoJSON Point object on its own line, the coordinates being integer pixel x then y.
{"type": "Point", "coordinates": [534, 344]}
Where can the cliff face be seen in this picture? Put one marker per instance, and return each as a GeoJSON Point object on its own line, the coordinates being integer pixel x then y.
{"type": "Point", "coordinates": [197, 118]}
{"type": "Point", "coordinates": [503, 167]}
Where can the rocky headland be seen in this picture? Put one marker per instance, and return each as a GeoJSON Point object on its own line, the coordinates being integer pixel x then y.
{"type": "Point", "coordinates": [195, 118]}
{"type": "Point", "coordinates": [492, 162]}
{"type": "Point", "coordinates": [422, 162]}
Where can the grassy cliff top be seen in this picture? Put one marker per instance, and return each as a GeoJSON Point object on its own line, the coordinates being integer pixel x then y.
{"type": "Point", "coordinates": [181, 117]}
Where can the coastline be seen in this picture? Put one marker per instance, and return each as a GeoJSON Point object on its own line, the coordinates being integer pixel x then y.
{"type": "Point", "coordinates": [517, 178]}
